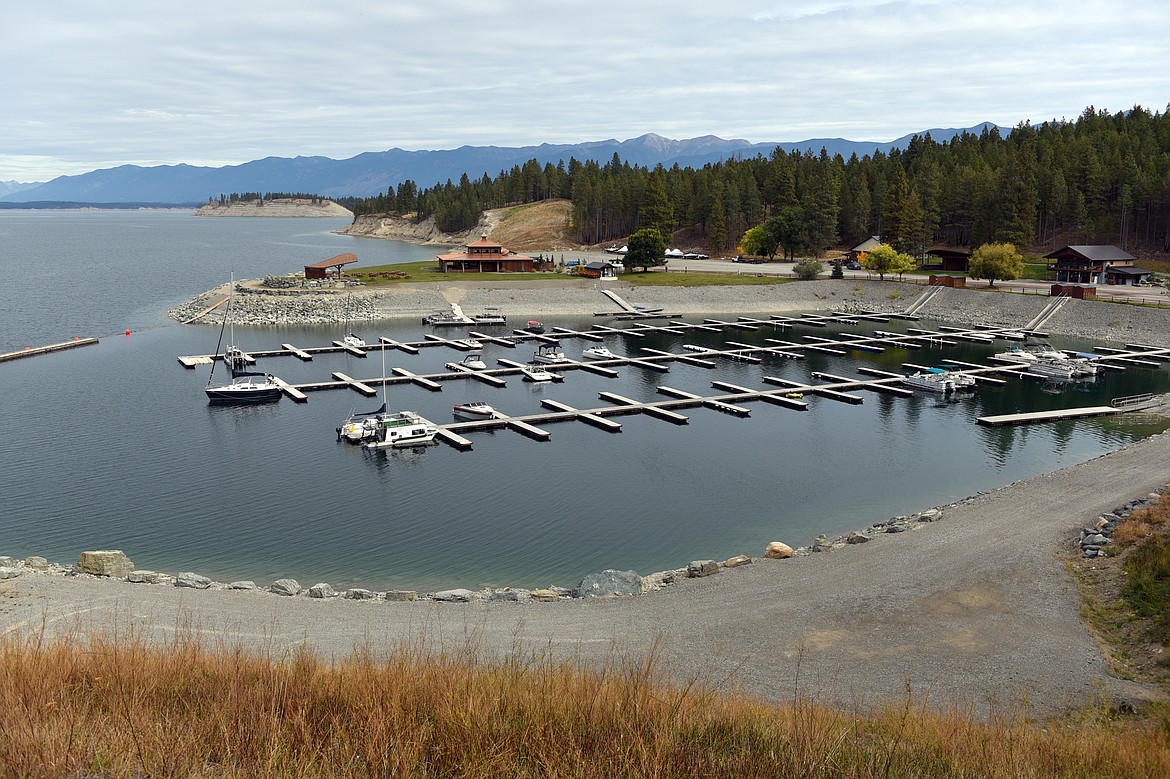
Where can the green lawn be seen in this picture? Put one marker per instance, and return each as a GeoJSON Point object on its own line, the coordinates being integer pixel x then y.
{"type": "Point", "coordinates": [428, 271]}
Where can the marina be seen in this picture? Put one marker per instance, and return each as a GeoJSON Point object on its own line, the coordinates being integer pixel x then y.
{"type": "Point", "coordinates": [957, 375]}
{"type": "Point", "coordinates": [650, 498]}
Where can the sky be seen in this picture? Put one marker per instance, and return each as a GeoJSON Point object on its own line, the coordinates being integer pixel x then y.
{"type": "Point", "coordinates": [87, 85]}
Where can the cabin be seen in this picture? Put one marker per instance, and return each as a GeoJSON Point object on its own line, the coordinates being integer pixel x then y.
{"type": "Point", "coordinates": [1095, 265]}
{"type": "Point", "coordinates": [598, 270]}
{"type": "Point", "coordinates": [953, 260]}
{"type": "Point", "coordinates": [868, 244]}
{"type": "Point", "coordinates": [485, 256]}
{"type": "Point", "coordinates": [321, 270]}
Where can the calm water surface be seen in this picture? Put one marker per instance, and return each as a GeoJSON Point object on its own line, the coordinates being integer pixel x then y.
{"type": "Point", "coordinates": [114, 446]}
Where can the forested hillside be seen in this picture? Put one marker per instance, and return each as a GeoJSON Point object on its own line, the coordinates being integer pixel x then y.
{"type": "Point", "coordinates": [1103, 178]}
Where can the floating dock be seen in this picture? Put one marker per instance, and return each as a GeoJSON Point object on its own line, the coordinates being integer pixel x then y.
{"type": "Point", "coordinates": [37, 350]}
{"type": "Point", "coordinates": [791, 394]}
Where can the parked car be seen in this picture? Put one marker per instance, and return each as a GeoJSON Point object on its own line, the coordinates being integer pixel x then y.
{"type": "Point", "coordinates": [853, 265]}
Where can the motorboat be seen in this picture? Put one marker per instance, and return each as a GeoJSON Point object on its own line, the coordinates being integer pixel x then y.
{"type": "Point", "coordinates": [598, 353]}
{"type": "Point", "coordinates": [473, 361]}
{"type": "Point", "coordinates": [476, 409]}
{"type": "Point", "coordinates": [447, 319]}
{"type": "Point", "coordinates": [466, 343]}
{"type": "Point", "coordinates": [938, 380]}
{"type": "Point", "coordinates": [353, 340]}
{"type": "Point", "coordinates": [245, 386]}
{"type": "Point", "coordinates": [490, 318]}
{"type": "Point", "coordinates": [1030, 354]}
{"type": "Point", "coordinates": [538, 374]}
{"type": "Point", "coordinates": [401, 429]}
{"type": "Point", "coordinates": [534, 327]}
{"type": "Point", "coordinates": [1055, 369]}
{"type": "Point", "coordinates": [549, 354]}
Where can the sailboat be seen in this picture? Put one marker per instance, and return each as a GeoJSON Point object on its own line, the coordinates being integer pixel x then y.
{"type": "Point", "coordinates": [245, 386]}
{"type": "Point", "coordinates": [350, 339]}
{"type": "Point", "coordinates": [381, 428]}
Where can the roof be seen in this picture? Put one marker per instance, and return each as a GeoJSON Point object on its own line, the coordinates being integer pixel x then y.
{"type": "Point", "coordinates": [335, 262]}
{"type": "Point", "coordinates": [869, 243]}
{"type": "Point", "coordinates": [1128, 270]}
{"type": "Point", "coordinates": [483, 241]}
{"type": "Point", "coordinates": [1095, 253]}
{"type": "Point", "coordinates": [598, 265]}
{"type": "Point", "coordinates": [942, 252]}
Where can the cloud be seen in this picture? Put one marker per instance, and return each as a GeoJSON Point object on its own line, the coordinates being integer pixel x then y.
{"type": "Point", "coordinates": [88, 85]}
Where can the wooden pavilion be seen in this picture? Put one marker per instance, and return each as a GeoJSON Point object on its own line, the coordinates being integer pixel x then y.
{"type": "Point", "coordinates": [485, 256]}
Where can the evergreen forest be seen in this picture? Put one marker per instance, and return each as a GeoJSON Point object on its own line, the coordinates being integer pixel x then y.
{"type": "Point", "coordinates": [1102, 178]}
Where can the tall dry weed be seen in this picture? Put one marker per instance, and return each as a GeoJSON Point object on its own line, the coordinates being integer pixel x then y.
{"type": "Point", "coordinates": [112, 706]}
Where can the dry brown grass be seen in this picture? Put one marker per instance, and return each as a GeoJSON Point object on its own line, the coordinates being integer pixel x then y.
{"type": "Point", "coordinates": [1142, 523]}
{"type": "Point", "coordinates": [111, 706]}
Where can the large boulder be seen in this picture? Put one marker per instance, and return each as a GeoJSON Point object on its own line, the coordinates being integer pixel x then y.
{"type": "Point", "coordinates": [322, 590]}
{"type": "Point", "coordinates": [7, 572]}
{"type": "Point", "coordinates": [285, 587]}
{"type": "Point", "coordinates": [107, 562]}
{"type": "Point", "coordinates": [609, 583]}
{"type": "Point", "coordinates": [36, 562]}
{"type": "Point", "coordinates": [778, 550]}
{"type": "Point", "coordinates": [401, 595]}
{"type": "Point", "coordinates": [359, 593]}
{"type": "Point", "coordinates": [458, 595]}
{"type": "Point", "coordinates": [698, 568]}
{"type": "Point", "coordinates": [738, 560]}
{"type": "Point", "coordinates": [192, 580]}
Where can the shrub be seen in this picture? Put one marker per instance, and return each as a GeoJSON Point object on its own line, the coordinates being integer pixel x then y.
{"type": "Point", "coordinates": [808, 269]}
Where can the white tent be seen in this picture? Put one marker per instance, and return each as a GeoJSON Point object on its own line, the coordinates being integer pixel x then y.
{"type": "Point", "coordinates": [674, 253]}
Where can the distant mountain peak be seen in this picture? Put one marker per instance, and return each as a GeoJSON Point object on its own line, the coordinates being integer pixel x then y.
{"type": "Point", "coordinates": [373, 173]}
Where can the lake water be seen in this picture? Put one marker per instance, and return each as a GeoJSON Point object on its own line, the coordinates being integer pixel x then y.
{"type": "Point", "coordinates": [114, 446]}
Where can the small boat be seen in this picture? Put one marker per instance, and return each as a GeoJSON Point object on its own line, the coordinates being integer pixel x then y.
{"type": "Point", "coordinates": [598, 353]}
{"type": "Point", "coordinates": [402, 429]}
{"type": "Point", "coordinates": [490, 318]}
{"type": "Point", "coordinates": [381, 428]}
{"type": "Point", "coordinates": [245, 386]}
{"type": "Point", "coordinates": [536, 373]}
{"type": "Point", "coordinates": [1030, 354]}
{"type": "Point", "coordinates": [534, 327]}
{"type": "Point", "coordinates": [473, 361]}
{"type": "Point", "coordinates": [476, 409]}
{"type": "Point", "coordinates": [1056, 369]}
{"type": "Point", "coordinates": [549, 354]}
{"type": "Point", "coordinates": [466, 343]}
{"type": "Point", "coordinates": [447, 319]}
{"type": "Point", "coordinates": [794, 395]}
{"type": "Point", "coordinates": [938, 380]}
{"type": "Point", "coordinates": [360, 427]}
{"type": "Point", "coordinates": [353, 340]}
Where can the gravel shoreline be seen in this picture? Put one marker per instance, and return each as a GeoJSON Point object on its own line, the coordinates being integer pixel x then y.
{"type": "Point", "coordinates": [972, 609]}
{"type": "Point", "coordinates": [521, 300]}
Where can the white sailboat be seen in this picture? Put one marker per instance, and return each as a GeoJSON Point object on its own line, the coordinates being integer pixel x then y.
{"type": "Point", "coordinates": [382, 428]}
{"type": "Point", "coordinates": [245, 386]}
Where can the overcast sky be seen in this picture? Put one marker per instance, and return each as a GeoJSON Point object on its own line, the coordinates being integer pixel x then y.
{"type": "Point", "coordinates": [87, 85]}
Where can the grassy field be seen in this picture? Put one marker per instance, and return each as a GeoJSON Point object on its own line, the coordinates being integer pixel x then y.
{"type": "Point", "coordinates": [415, 272]}
{"type": "Point", "coordinates": [110, 706]}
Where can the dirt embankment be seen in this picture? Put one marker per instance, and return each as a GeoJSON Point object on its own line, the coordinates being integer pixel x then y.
{"type": "Point", "coordinates": [279, 207]}
{"type": "Point", "coordinates": [537, 226]}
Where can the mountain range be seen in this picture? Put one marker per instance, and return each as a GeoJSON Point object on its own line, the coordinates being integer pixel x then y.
{"type": "Point", "coordinates": [372, 173]}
